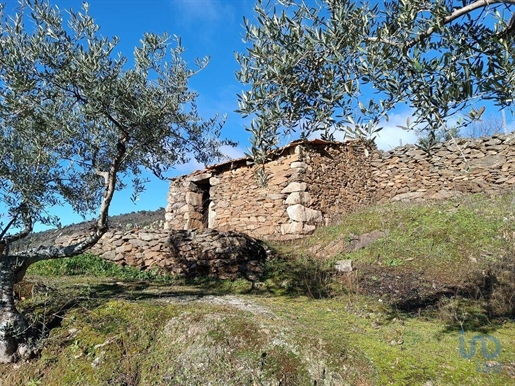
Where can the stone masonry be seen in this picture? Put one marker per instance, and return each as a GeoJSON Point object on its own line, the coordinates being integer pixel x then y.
{"type": "Point", "coordinates": [314, 183]}
{"type": "Point", "coordinates": [223, 255]}
{"type": "Point", "coordinates": [307, 185]}
{"type": "Point", "coordinates": [484, 165]}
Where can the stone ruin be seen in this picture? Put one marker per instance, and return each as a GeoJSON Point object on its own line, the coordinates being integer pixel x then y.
{"type": "Point", "coordinates": [315, 183]}
{"type": "Point", "coordinates": [210, 213]}
{"type": "Point", "coordinates": [192, 253]}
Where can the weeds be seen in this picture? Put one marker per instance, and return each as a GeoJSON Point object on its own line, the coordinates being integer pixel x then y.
{"type": "Point", "coordinates": [395, 319]}
{"type": "Point", "coordinates": [303, 276]}
{"type": "Point", "coordinates": [88, 264]}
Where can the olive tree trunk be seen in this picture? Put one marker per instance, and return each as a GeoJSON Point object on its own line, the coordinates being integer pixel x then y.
{"type": "Point", "coordinates": [13, 326]}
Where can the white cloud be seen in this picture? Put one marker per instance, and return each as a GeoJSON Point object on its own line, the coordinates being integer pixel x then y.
{"type": "Point", "coordinates": [232, 152]}
{"type": "Point", "coordinates": [188, 167]}
{"type": "Point", "coordinates": [391, 135]}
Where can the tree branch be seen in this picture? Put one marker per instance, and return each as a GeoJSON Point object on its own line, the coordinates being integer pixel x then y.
{"type": "Point", "coordinates": [40, 253]}
{"type": "Point", "coordinates": [456, 14]}
{"type": "Point", "coordinates": [27, 222]}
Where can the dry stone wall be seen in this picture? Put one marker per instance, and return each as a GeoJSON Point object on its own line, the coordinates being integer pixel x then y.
{"type": "Point", "coordinates": [246, 206]}
{"type": "Point", "coordinates": [224, 255]}
{"type": "Point", "coordinates": [315, 183]}
{"type": "Point", "coordinates": [339, 179]}
{"type": "Point", "coordinates": [143, 249]}
{"type": "Point", "coordinates": [235, 200]}
{"type": "Point", "coordinates": [454, 168]}
{"type": "Point", "coordinates": [309, 185]}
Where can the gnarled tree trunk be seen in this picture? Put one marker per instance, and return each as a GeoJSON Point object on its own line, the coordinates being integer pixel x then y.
{"type": "Point", "coordinates": [13, 326]}
{"type": "Point", "coordinates": [14, 329]}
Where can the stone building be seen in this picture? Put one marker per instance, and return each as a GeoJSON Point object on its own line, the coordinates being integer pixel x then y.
{"type": "Point", "coordinates": [314, 183]}
{"type": "Point", "coordinates": [309, 184]}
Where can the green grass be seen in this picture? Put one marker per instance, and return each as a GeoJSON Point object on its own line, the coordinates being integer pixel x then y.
{"type": "Point", "coordinates": [446, 231]}
{"type": "Point", "coordinates": [303, 323]}
{"type": "Point", "coordinates": [446, 242]}
{"type": "Point", "coordinates": [351, 340]}
{"type": "Point", "coordinates": [400, 350]}
{"type": "Point", "coordinates": [91, 265]}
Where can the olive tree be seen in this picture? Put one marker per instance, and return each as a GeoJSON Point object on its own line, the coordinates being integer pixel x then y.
{"type": "Point", "coordinates": [309, 64]}
{"type": "Point", "coordinates": [76, 122]}
{"type": "Point", "coordinates": [302, 69]}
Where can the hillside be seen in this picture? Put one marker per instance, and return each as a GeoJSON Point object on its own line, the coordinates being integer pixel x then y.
{"type": "Point", "coordinates": [142, 219]}
{"type": "Point", "coordinates": [440, 268]}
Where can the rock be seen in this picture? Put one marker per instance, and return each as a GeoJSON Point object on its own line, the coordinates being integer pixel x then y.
{"type": "Point", "coordinates": [303, 198]}
{"type": "Point", "coordinates": [444, 194]}
{"type": "Point", "coordinates": [493, 142]}
{"type": "Point", "coordinates": [343, 266]}
{"type": "Point", "coordinates": [408, 196]}
{"type": "Point", "coordinates": [365, 239]}
{"type": "Point", "coordinates": [295, 187]}
{"type": "Point", "coordinates": [490, 162]}
{"type": "Point", "coordinates": [215, 181]}
{"type": "Point", "coordinates": [293, 227]}
{"type": "Point", "coordinates": [110, 255]}
{"type": "Point", "coordinates": [302, 214]}
{"type": "Point", "coordinates": [299, 165]}
{"type": "Point", "coordinates": [138, 243]}
{"type": "Point", "coordinates": [194, 199]}
{"type": "Point", "coordinates": [200, 177]}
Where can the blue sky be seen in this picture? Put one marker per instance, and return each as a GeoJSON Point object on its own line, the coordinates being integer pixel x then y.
{"type": "Point", "coordinates": [207, 28]}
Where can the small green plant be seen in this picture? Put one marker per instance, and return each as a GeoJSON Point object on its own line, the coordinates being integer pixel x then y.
{"type": "Point", "coordinates": [88, 264]}
{"type": "Point", "coordinates": [394, 262]}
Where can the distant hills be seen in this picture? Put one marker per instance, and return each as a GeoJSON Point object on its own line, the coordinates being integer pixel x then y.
{"type": "Point", "coordinates": [143, 219]}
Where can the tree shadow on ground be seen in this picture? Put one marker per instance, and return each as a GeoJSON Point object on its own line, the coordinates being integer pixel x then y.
{"type": "Point", "coordinates": [471, 305]}
{"type": "Point", "coordinates": [46, 303]}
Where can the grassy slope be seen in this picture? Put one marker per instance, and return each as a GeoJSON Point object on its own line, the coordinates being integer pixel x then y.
{"type": "Point", "coordinates": [395, 320]}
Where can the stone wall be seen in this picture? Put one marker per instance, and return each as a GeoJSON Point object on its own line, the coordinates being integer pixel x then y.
{"type": "Point", "coordinates": [339, 179]}
{"type": "Point", "coordinates": [307, 185]}
{"type": "Point", "coordinates": [315, 183]}
{"type": "Point", "coordinates": [224, 255]}
{"type": "Point", "coordinates": [466, 166]}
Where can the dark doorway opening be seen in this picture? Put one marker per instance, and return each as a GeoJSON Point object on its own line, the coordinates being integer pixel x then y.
{"type": "Point", "coordinates": [204, 188]}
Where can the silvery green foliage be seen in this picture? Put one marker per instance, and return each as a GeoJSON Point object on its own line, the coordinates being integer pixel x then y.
{"type": "Point", "coordinates": [76, 120]}
{"type": "Point", "coordinates": [301, 67]}
{"type": "Point", "coordinates": [440, 57]}
{"type": "Point", "coordinates": [73, 112]}
{"type": "Point", "coordinates": [308, 61]}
